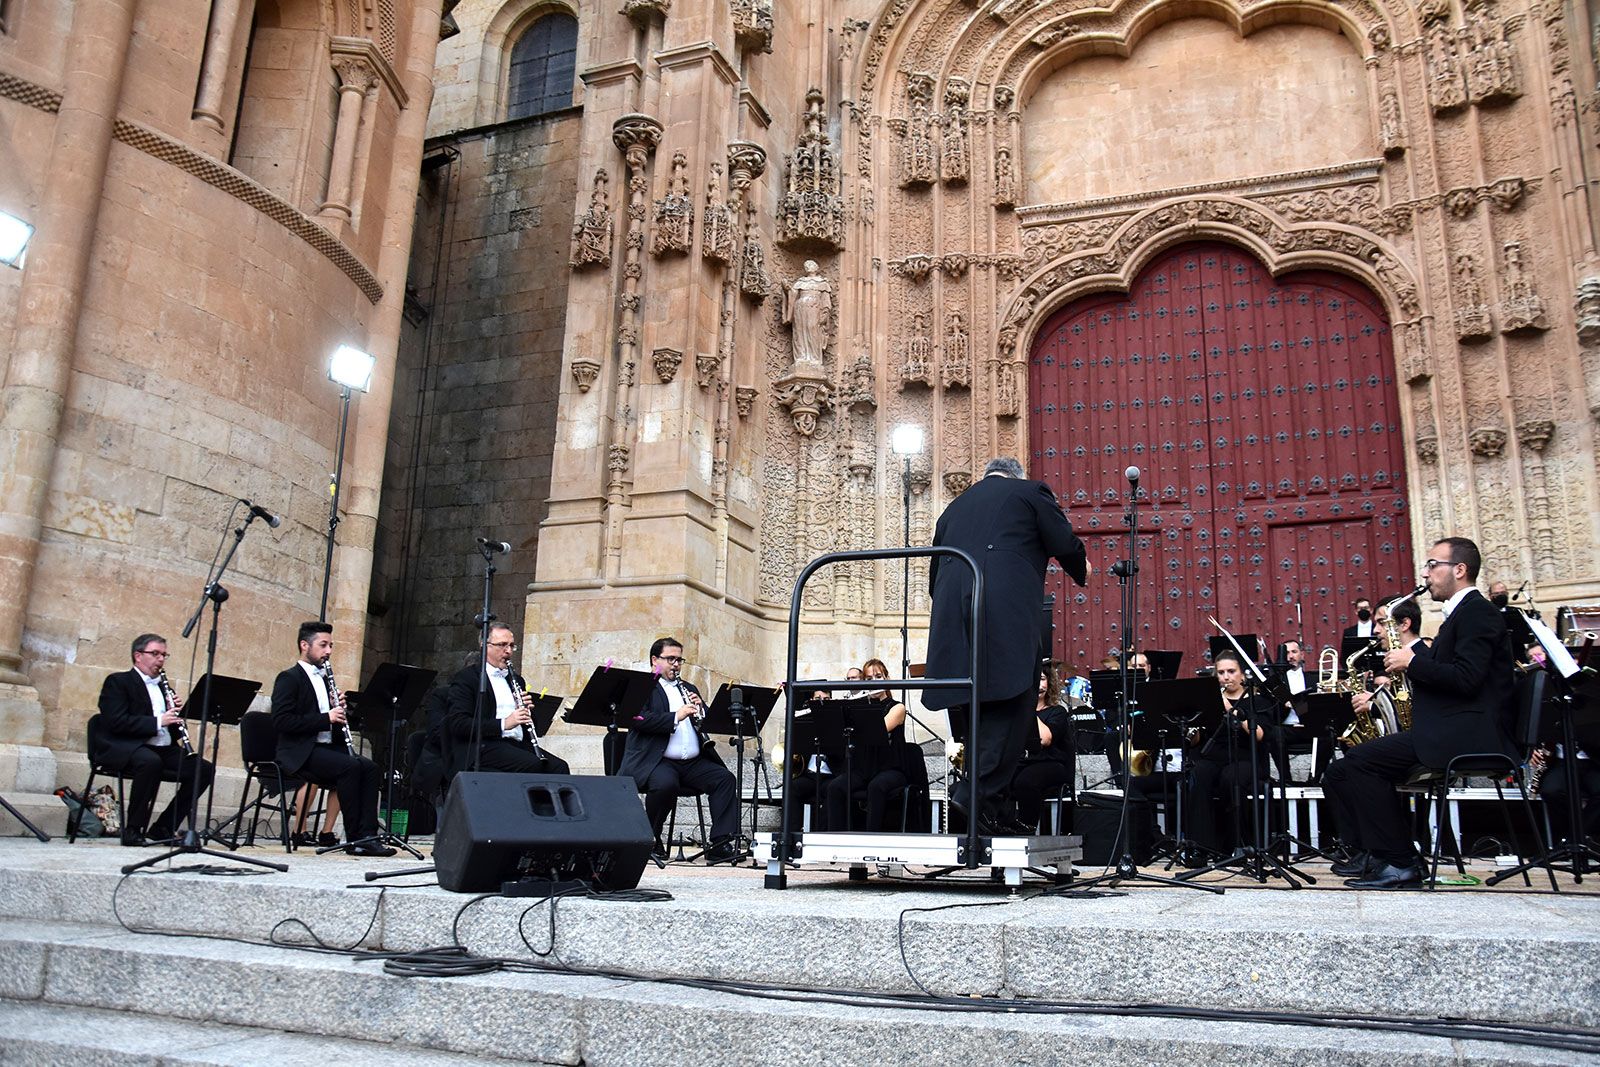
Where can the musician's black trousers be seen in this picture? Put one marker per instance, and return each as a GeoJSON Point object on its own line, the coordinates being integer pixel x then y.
{"type": "Point", "coordinates": [877, 790]}
{"type": "Point", "coordinates": [1003, 727]}
{"type": "Point", "coordinates": [354, 778]}
{"type": "Point", "coordinates": [504, 754]}
{"type": "Point", "coordinates": [146, 768]}
{"type": "Point", "coordinates": [674, 778]}
{"type": "Point", "coordinates": [1039, 778]}
{"type": "Point", "coordinates": [1372, 816]}
{"type": "Point", "coordinates": [1209, 803]}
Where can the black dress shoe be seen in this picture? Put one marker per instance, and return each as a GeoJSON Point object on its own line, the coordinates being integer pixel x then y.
{"type": "Point", "coordinates": [371, 848]}
{"type": "Point", "coordinates": [135, 840]}
{"type": "Point", "coordinates": [723, 852]}
{"type": "Point", "coordinates": [1358, 865]}
{"type": "Point", "coordinates": [1388, 876]}
{"type": "Point", "coordinates": [327, 840]}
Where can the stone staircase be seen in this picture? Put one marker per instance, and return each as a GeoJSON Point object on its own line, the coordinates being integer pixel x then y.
{"type": "Point", "coordinates": [76, 986]}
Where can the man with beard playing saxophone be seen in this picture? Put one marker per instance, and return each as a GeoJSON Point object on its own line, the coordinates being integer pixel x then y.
{"type": "Point", "coordinates": [1461, 692]}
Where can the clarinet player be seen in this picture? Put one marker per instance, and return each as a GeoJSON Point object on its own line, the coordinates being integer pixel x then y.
{"type": "Point", "coordinates": [508, 741]}
{"type": "Point", "coordinates": [308, 714]}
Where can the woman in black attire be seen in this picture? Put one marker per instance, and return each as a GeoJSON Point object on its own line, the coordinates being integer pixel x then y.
{"type": "Point", "coordinates": [877, 770]}
{"type": "Point", "coordinates": [1049, 760]}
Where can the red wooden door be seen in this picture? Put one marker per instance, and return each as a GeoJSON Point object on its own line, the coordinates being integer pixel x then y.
{"type": "Point", "coordinates": [1265, 418]}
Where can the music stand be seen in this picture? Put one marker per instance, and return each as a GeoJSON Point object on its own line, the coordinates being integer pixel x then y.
{"type": "Point", "coordinates": [1325, 716]}
{"type": "Point", "coordinates": [611, 698]}
{"type": "Point", "coordinates": [843, 726]}
{"type": "Point", "coordinates": [735, 719]}
{"type": "Point", "coordinates": [1164, 665]}
{"type": "Point", "coordinates": [230, 700]}
{"type": "Point", "coordinates": [1173, 708]}
{"type": "Point", "coordinates": [390, 698]}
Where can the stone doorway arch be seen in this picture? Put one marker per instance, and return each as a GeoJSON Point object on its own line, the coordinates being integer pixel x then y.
{"type": "Point", "coordinates": [1265, 414]}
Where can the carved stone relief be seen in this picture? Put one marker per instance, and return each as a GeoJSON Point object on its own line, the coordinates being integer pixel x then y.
{"type": "Point", "coordinates": [1522, 308]}
{"type": "Point", "coordinates": [717, 238]}
{"type": "Point", "coordinates": [811, 212]}
{"type": "Point", "coordinates": [955, 157]}
{"type": "Point", "coordinates": [917, 155]}
{"type": "Point", "coordinates": [956, 368]}
{"type": "Point", "coordinates": [752, 24]}
{"type": "Point", "coordinates": [674, 213]}
{"type": "Point", "coordinates": [666, 362]}
{"type": "Point", "coordinates": [1473, 320]}
{"type": "Point", "coordinates": [595, 229]}
{"type": "Point", "coordinates": [916, 345]}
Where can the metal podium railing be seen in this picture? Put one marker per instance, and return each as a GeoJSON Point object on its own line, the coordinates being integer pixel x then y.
{"type": "Point", "coordinates": [971, 858]}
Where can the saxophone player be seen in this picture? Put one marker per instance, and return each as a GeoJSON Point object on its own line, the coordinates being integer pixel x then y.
{"type": "Point", "coordinates": [508, 741]}
{"type": "Point", "coordinates": [309, 717]}
{"type": "Point", "coordinates": [138, 738]}
{"type": "Point", "coordinates": [1461, 698]}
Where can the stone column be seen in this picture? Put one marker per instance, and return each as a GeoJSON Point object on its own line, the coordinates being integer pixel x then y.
{"type": "Point", "coordinates": [352, 571]}
{"type": "Point", "coordinates": [225, 17]}
{"type": "Point", "coordinates": [355, 78]}
{"type": "Point", "coordinates": [48, 306]}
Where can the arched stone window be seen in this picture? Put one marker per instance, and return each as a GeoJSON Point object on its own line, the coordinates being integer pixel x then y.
{"type": "Point", "coordinates": [541, 66]}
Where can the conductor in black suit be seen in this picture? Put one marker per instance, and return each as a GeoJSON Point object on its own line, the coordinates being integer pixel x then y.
{"type": "Point", "coordinates": [668, 757]}
{"type": "Point", "coordinates": [507, 741]}
{"type": "Point", "coordinates": [1012, 527]}
{"type": "Point", "coordinates": [1461, 701]}
{"type": "Point", "coordinates": [137, 736]}
{"type": "Point", "coordinates": [311, 744]}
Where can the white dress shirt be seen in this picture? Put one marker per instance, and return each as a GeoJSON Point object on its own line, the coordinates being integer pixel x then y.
{"type": "Point", "coordinates": [1455, 600]}
{"type": "Point", "coordinates": [158, 704]}
{"type": "Point", "coordinates": [504, 702]}
{"type": "Point", "coordinates": [319, 686]}
{"type": "Point", "coordinates": [684, 742]}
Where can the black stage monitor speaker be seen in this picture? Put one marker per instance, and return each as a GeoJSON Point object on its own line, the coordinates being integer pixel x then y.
{"type": "Point", "coordinates": [501, 828]}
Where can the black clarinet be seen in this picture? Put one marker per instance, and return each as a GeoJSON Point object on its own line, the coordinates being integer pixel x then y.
{"type": "Point", "coordinates": [171, 697]}
{"type": "Point", "coordinates": [530, 736]}
{"type": "Point", "coordinates": [333, 702]}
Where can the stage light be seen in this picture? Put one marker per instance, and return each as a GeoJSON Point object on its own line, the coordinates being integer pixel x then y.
{"type": "Point", "coordinates": [14, 237]}
{"type": "Point", "coordinates": [906, 440]}
{"type": "Point", "coordinates": [351, 368]}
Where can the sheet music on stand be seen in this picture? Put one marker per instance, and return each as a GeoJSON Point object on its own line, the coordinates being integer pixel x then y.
{"type": "Point", "coordinates": [1560, 657]}
{"type": "Point", "coordinates": [1244, 657]}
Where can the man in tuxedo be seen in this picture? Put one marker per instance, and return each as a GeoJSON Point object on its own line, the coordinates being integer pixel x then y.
{"type": "Point", "coordinates": [668, 757]}
{"type": "Point", "coordinates": [137, 736]}
{"type": "Point", "coordinates": [1012, 527]}
{"type": "Point", "coordinates": [1362, 627]}
{"type": "Point", "coordinates": [311, 745]}
{"type": "Point", "coordinates": [507, 741]}
{"type": "Point", "coordinates": [1461, 695]}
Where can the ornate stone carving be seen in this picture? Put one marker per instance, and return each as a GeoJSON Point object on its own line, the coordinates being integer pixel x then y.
{"type": "Point", "coordinates": [808, 312]}
{"type": "Point", "coordinates": [955, 264]}
{"type": "Point", "coordinates": [747, 161]}
{"type": "Point", "coordinates": [917, 157]}
{"type": "Point", "coordinates": [863, 392]}
{"type": "Point", "coordinates": [1005, 167]}
{"type": "Point", "coordinates": [595, 229]}
{"type": "Point", "coordinates": [1428, 450]}
{"type": "Point", "coordinates": [1487, 441]}
{"type": "Point", "coordinates": [584, 372]}
{"type": "Point", "coordinates": [617, 459]}
{"type": "Point", "coordinates": [644, 11]}
{"type": "Point", "coordinates": [811, 211]}
{"type": "Point", "coordinates": [752, 24]}
{"type": "Point", "coordinates": [705, 368]}
{"type": "Point", "coordinates": [1587, 306]}
{"type": "Point", "coordinates": [916, 365]}
{"type": "Point", "coordinates": [1522, 308]}
{"type": "Point", "coordinates": [1354, 205]}
{"type": "Point", "coordinates": [956, 368]}
{"type": "Point", "coordinates": [674, 213]}
{"type": "Point", "coordinates": [1506, 193]}
{"type": "Point", "coordinates": [718, 242]}
{"type": "Point", "coordinates": [804, 393]}
{"type": "Point", "coordinates": [917, 266]}
{"type": "Point", "coordinates": [1391, 128]}
{"type": "Point", "coordinates": [955, 159]}
{"type": "Point", "coordinates": [1006, 400]}
{"type": "Point", "coordinates": [744, 400]}
{"type": "Point", "coordinates": [1393, 275]}
{"type": "Point", "coordinates": [1535, 434]}
{"type": "Point", "coordinates": [666, 362]}
{"type": "Point", "coordinates": [753, 281]}
{"type": "Point", "coordinates": [1473, 320]}
{"type": "Point", "coordinates": [1461, 202]}
{"type": "Point", "coordinates": [957, 482]}
{"type": "Point", "coordinates": [1490, 58]}
{"type": "Point", "coordinates": [1447, 84]}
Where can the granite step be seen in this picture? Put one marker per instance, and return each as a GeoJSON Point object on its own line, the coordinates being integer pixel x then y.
{"type": "Point", "coordinates": [84, 993]}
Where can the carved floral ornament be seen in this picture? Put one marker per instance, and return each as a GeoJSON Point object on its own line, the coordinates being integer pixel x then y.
{"type": "Point", "coordinates": [744, 400]}
{"type": "Point", "coordinates": [666, 362]}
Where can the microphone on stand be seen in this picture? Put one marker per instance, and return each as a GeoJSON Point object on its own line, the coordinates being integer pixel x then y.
{"type": "Point", "coordinates": [259, 512]}
{"type": "Point", "coordinates": [494, 546]}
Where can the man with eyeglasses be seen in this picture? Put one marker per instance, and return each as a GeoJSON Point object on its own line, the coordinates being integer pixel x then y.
{"type": "Point", "coordinates": [1461, 701]}
{"type": "Point", "coordinates": [669, 757]}
{"type": "Point", "coordinates": [137, 736]}
{"type": "Point", "coordinates": [507, 741]}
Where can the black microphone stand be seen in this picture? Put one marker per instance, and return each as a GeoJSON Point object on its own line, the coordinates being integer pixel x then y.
{"type": "Point", "coordinates": [1126, 571]}
{"type": "Point", "coordinates": [189, 843]}
{"type": "Point", "coordinates": [484, 618]}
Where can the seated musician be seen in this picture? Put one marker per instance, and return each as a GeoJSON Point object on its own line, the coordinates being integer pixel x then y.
{"type": "Point", "coordinates": [308, 714]}
{"type": "Point", "coordinates": [506, 737]}
{"type": "Point", "coordinates": [1461, 702]}
{"type": "Point", "coordinates": [1049, 760]}
{"type": "Point", "coordinates": [877, 771]}
{"type": "Point", "coordinates": [1221, 774]}
{"type": "Point", "coordinates": [138, 737]}
{"type": "Point", "coordinates": [667, 756]}
{"type": "Point", "coordinates": [1294, 739]}
{"type": "Point", "coordinates": [806, 787]}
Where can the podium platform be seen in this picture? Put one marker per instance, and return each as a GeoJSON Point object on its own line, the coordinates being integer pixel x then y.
{"type": "Point", "coordinates": [1013, 855]}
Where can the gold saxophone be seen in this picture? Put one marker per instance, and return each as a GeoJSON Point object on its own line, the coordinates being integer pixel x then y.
{"type": "Point", "coordinates": [1399, 688]}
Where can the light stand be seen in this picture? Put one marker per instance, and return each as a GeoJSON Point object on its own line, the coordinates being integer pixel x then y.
{"type": "Point", "coordinates": [351, 369]}
{"type": "Point", "coordinates": [215, 594]}
{"type": "Point", "coordinates": [1126, 571]}
{"type": "Point", "coordinates": [906, 440]}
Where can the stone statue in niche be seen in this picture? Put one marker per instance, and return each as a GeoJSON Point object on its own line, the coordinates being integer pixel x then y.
{"type": "Point", "coordinates": [1391, 132]}
{"type": "Point", "coordinates": [592, 234]}
{"type": "Point", "coordinates": [718, 242]}
{"type": "Point", "coordinates": [807, 309]}
{"type": "Point", "coordinates": [917, 365]}
{"type": "Point", "coordinates": [1523, 309]}
{"type": "Point", "coordinates": [1447, 87]}
{"type": "Point", "coordinates": [955, 159]}
{"type": "Point", "coordinates": [917, 161]}
{"type": "Point", "coordinates": [811, 212]}
{"type": "Point", "coordinates": [956, 370]}
{"type": "Point", "coordinates": [753, 281]}
{"type": "Point", "coordinates": [1005, 178]}
{"type": "Point", "coordinates": [674, 216]}
{"type": "Point", "coordinates": [1473, 320]}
